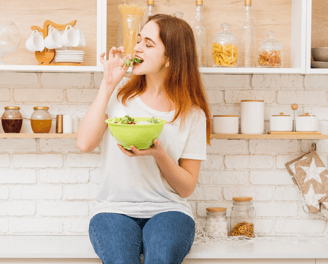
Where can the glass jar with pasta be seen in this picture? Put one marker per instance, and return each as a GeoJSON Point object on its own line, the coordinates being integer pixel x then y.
{"type": "Point", "coordinates": [270, 52]}
{"type": "Point", "coordinates": [225, 48]}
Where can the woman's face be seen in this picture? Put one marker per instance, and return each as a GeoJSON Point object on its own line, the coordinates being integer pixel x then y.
{"type": "Point", "coordinates": [150, 49]}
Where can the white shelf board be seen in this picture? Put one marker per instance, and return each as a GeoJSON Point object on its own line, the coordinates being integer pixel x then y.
{"type": "Point", "coordinates": [32, 68]}
{"type": "Point", "coordinates": [247, 70]}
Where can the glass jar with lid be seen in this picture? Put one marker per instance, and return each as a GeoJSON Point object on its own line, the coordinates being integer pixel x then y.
{"type": "Point", "coordinates": [41, 119]}
{"type": "Point", "coordinates": [270, 52]}
{"type": "Point", "coordinates": [242, 217]}
{"type": "Point", "coordinates": [12, 119]}
{"type": "Point", "coordinates": [225, 48]}
{"type": "Point", "coordinates": [216, 224]}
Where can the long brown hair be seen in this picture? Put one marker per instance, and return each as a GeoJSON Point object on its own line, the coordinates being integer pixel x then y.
{"type": "Point", "coordinates": [182, 84]}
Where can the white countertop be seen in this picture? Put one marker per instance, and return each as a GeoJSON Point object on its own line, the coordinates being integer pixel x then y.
{"type": "Point", "coordinates": [80, 247]}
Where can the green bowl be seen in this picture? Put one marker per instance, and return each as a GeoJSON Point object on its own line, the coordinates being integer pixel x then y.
{"type": "Point", "coordinates": [140, 136]}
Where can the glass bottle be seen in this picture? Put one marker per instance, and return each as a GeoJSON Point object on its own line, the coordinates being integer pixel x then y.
{"type": "Point", "coordinates": [12, 120]}
{"type": "Point", "coordinates": [200, 33]}
{"type": "Point", "coordinates": [225, 48]}
{"type": "Point", "coordinates": [41, 119]}
{"type": "Point", "coordinates": [242, 217]}
{"type": "Point", "coordinates": [247, 43]}
{"type": "Point", "coordinates": [216, 224]}
{"type": "Point", "coordinates": [270, 52]}
{"type": "Point", "coordinates": [149, 12]}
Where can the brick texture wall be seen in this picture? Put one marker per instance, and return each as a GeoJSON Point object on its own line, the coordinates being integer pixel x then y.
{"type": "Point", "coordinates": [47, 185]}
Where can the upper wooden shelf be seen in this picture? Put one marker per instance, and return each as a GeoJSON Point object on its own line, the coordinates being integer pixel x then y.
{"type": "Point", "coordinates": [267, 136]}
{"type": "Point", "coordinates": [36, 135]}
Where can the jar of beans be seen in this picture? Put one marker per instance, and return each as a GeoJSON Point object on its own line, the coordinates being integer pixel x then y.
{"type": "Point", "coordinates": [216, 224]}
{"type": "Point", "coordinates": [242, 217]}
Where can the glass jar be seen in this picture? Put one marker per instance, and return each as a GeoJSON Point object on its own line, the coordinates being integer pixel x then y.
{"type": "Point", "coordinates": [41, 120]}
{"type": "Point", "coordinates": [12, 119]}
{"type": "Point", "coordinates": [216, 224]}
{"type": "Point", "coordinates": [242, 217]}
{"type": "Point", "coordinates": [225, 48]}
{"type": "Point", "coordinates": [270, 52]}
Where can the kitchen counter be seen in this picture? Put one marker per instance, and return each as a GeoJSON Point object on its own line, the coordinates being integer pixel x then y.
{"type": "Point", "coordinates": [80, 247]}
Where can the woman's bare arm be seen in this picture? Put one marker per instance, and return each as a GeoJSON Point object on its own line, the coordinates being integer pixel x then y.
{"type": "Point", "coordinates": [93, 126]}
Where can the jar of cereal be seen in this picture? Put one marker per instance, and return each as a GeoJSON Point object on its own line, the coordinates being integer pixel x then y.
{"type": "Point", "coordinates": [216, 224]}
{"type": "Point", "coordinates": [242, 217]}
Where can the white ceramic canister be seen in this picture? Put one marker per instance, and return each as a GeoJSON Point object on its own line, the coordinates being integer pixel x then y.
{"type": "Point", "coordinates": [225, 124]}
{"type": "Point", "coordinates": [252, 116]}
{"type": "Point", "coordinates": [281, 123]}
{"type": "Point", "coordinates": [306, 123]}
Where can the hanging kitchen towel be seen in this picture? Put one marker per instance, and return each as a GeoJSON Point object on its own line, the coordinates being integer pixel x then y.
{"type": "Point", "coordinates": [311, 176]}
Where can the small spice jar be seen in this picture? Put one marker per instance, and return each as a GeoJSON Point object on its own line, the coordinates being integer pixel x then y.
{"type": "Point", "coordinates": [225, 48]}
{"type": "Point", "coordinates": [41, 119]}
{"type": "Point", "coordinates": [216, 224]}
{"type": "Point", "coordinates": [12, 119]}
{"type": "Point", "coordinates": [270, 52]}
{"type": "Point", "coordinates": [242, 217]}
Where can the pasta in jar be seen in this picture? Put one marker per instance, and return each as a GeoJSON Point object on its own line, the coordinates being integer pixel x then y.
{"type": "Point", "coordinates": [225, 48]}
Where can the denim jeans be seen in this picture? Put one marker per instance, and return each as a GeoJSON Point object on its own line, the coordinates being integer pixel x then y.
{"type": "Point", "coordinates": [165, 238]}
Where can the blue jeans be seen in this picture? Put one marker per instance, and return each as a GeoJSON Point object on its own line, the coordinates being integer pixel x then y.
{"type": "Point", "coordinates": [164, 238]}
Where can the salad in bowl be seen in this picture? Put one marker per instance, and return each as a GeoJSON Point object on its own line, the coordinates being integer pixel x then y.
{"type": "Point", "coordinates": [137, 131]}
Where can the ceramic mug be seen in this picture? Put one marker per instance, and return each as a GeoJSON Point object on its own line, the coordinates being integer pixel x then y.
{"type": "Point", "coordinates": [52, 41]}
{"type": "Point", "coordinates": [82, 39]}
{"type": "Point", "coordinates": [35, 42]}
{"type": "Point", "coordinates": [70, 37]}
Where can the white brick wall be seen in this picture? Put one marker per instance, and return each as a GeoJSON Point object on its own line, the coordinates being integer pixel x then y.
{"type": "Point", "coordinates": [47, 185]}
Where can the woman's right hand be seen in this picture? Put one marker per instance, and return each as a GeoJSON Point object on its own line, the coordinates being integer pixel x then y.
{"type": "Point", "coordinates": [113, 67]}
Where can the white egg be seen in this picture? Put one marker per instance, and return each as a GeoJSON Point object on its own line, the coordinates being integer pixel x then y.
{"type": "Point", "coordinates": [224, 224]}
{"type": "Point", "coordinates": [216, 235]}
{"type": "Point", "coordinates": [221, 219]}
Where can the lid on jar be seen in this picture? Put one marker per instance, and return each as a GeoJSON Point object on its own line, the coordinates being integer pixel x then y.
{"type": "Point", "coordinates": [225, 35]}
{"type": "Point", "coordinates": [281, 114]}
{"type": "Point", "coordinates": [225, 116]}
{"type": "Point", "coordinates": [252, 100]}
{"type": "Point", "coordinates": [12, 107]}
{"type": "Point", "coordinates": [242, 199]}
{"type": "Point", "coordinates": [198, 2]}
{"type": "Point", "coordinates": [41, 108]}
{"type": "Point", "coordinates": [150, 2]}
{"type": "Point", "coordinates": [248, 2]}
{"type": "Point", "coordinates": [271, 43]}
{"type": "Point", "coordinates": [307, 114]}
{"type": "Point", "coordinates": [216, 209]}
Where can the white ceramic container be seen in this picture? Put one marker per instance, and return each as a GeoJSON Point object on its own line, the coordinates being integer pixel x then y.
{"type": "Point", "coordinates": [281, 123]}
{"type": "Point", "coordinates": [252, 116]}
{"type": "Point", "coordinates": [225, 124]}
{"type": "Point", "coordinates": [306, 123]}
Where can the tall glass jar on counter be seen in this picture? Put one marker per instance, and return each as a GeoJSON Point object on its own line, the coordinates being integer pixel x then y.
{"type": "Point", "coordinates": [41, 119]}
{"type": "Point", "coordinates": [270, 52]}
{"type": "Point", "coordinates": [225, 48]}
{"type": "Point", "coordinates": [216, 224]}
{"type": "Point", "coordinates": [12, 119]}
{"type": "Point", "coordinates": [242, 217]}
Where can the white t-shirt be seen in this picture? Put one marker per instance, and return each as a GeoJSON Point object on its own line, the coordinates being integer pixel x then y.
{"type": "Point", "coordinates": [135, 186]}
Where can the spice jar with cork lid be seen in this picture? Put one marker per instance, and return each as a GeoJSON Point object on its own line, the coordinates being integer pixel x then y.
{"type": "Point", "coordinates": [41, 119]}
{"type": "Point", "coordinates": [242, 217]}
{"type": "Point", "coordinates": [216, 224]}
{"type": "Point", "coordinates": [12, 119]}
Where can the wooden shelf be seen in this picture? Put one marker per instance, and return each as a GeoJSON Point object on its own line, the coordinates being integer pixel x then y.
{"type": "Point", "coordinates": [36, 135]}
{"type": "Point", "coordinates": [267, 136]}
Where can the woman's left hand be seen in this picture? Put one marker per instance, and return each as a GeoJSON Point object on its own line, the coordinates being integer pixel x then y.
{"type": "Point", "coordinates": [156, 150]}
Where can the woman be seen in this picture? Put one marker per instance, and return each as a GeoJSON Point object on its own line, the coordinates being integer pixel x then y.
{"type": "Point", "coordinates": [141, 207]}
